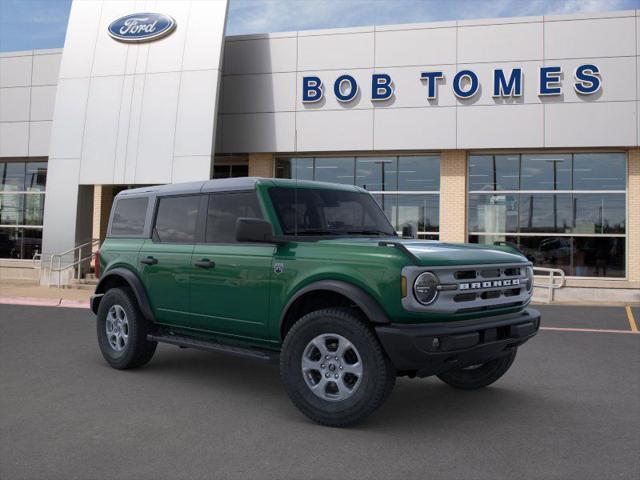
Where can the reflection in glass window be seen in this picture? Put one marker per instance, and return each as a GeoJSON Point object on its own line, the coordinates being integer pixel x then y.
{"type": "Point", "coordinates": [33, 209]}
{"type": "Point", "coordinates": [13, 177]}
{"type": "Point", "coordinates": [12, 209]}
{"type": "Point", "coordinates": [419, 174]}
{"type": "Point", "coordinates": [600, 213]}
{"type": "Point", "coordinates": [421, 212]}
{"type": "Point", "coordinates": [176, 219]}
{"type": "Point", "coordinates": [129, 216]}
{"type": "Point", "coordinates": [377, 174]}
{"type": "Point", "coordinates": [311, 211]}
{"type": "Point", "coordinates": [19, 209]}
{"type": "Point", "coordinates": [230, 171]}
{"type": "Point", "coordinates": [224, 211]}
{"type": "Point", "coordinates": [389, 205]}
{"type": "Point", "coordinates": [589, 221]}
{"type": "Point", "coordinates": [542, 212]}
{"type": "Point", "coordinates": [599, 171]}
{"type": "Point", "coordinates": [36, 176]}
{"type": "Point", "coordinates": [31, 242]}
{"type": "Point", "coordinates": [10, 242]}
{"type": "Point", "coordinates": [493, 213]}
{"type": "Point", "coordinates": [494, 172]}
{"type": "Point", "coordinates": [295, 168]}
{"type": "Point", "coordinates": [546, 172]}
{"type": "Point", "coordinates": [397, 176]}
{"type": "Point", "coordinates": [335, 170]}
{"type": "Point", "coordinates": [599, 257]}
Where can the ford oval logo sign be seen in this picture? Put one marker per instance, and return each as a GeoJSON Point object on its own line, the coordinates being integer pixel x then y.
{"type": "Point", "coordinates": [141, 27]}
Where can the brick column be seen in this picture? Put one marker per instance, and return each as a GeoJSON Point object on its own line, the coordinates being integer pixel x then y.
{"type": "Point", "coordinates": [633, 225]}
{"type": "Point", "coordinates": [261, 165]}
{"type": "Point", "coordinates": [453, 196]}
{"type": "Point", "coordinates": [102, 201]}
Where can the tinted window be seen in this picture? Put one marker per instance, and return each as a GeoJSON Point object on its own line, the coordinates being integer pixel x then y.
{"type": "Point", "coordinates": [494, 172]}
{"type": "Point", "coordinates": [176, 219]}
{"type": "Point", "coordinates": [13, 177]}
{"type": "Point", "coordinates": [546, 172]}
{"type": "Point", "coordinates": [377, 174]}
{"type": "Point", "coordinates": [336, 170]}
{"type": "Point", "coordinates": [12, 209]}
{"type": "Point", "coordinates": [311, 211]}
{"type": "Point", "coordinates": [603, 213]}
{"type": "Point", "coordinates": [419, 211]}
{"type": "Point", "coordinates": [419, 174]}
{"type": "Point", "coordinates": [599, 171]}
{"type": "Point", "coordinates": [545, 213]}
{"type": "Point", "coordinates": [128, 216]}
{"type": "Point", "coordinates": [493, 213]}
{"type": "Point", "coordinates": [224, 210]}
{"type": "Point", "coordinates": [36, 176]}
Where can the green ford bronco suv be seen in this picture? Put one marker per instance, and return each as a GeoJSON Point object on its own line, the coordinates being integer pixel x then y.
{"type": "Point", "coordinates": [311, 275]}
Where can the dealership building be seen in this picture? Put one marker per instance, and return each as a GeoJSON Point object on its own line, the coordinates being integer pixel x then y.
{"type": "Point", "coordinates": [519, 130]}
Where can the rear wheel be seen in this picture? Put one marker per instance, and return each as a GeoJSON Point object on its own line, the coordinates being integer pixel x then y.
{"type": "Point", "coordinates": [122, 330]}
{"type": "Point", "coordinates": [334, 369]}
{"type": "Point", "coordinates": [481, 375]}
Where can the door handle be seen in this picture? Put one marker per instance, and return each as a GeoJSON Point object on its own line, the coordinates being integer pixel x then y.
{"type": "Point", "coordinates": [205, 263]}
{"type": "Point", "coordinates": [149, 261]}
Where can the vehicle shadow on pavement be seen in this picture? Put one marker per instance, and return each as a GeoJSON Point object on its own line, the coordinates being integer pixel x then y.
{"type": "Point", "coordinates": [413, 404]}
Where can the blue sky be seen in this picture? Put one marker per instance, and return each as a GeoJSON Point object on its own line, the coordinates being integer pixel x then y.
{"type": "Point", "coordinates": [31, 24]}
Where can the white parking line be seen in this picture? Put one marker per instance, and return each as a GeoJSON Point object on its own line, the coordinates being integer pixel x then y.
{"type": "Point", "coordinates": [588, 330]}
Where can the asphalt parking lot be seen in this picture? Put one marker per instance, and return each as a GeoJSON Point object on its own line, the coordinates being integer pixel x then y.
{"type": "Point", "coordinates": [568, 409]}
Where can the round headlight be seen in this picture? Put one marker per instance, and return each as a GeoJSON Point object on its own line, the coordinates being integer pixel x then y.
{"type": "Point", "coordinates": [425, 288]}
{"type": "Point", "coordinates": [529, 279]}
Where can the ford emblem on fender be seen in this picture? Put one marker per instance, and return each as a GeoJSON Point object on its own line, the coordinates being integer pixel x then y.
{"type": "Point", "coordinates": [141, 27]}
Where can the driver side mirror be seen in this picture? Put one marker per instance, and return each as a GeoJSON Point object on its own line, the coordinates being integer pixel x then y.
{"type": "Point", "coordinates": [254, 230]}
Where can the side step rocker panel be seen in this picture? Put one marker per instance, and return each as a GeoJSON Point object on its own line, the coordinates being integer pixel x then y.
{"type": "Point", "coordinates": [188, 342]}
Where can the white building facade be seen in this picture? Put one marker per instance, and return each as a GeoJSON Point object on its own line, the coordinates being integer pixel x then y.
{"type": "Point", "coordinates": [518, 130]}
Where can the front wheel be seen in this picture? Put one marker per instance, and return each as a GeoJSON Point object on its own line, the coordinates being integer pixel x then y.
{"type": "Point", "coordinates": [334, 369]}
{"type": "Point", "coordinates": [481, 375]}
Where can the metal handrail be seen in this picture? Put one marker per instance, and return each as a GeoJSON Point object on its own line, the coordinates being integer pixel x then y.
{"type": "Point", "coordinates": [78, 248]}
{"type": "Point", "coordinates": [551, 285]}
{"type": "Point", "coordinates": [36, 260]}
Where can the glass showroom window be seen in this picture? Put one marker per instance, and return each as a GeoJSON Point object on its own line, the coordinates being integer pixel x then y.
{"type": "Point", "coordinates": [22, 186]}
{"type": "Point", "coordinates": [563, 211]}
{"type": "Point", "coordinates": [406, 187]}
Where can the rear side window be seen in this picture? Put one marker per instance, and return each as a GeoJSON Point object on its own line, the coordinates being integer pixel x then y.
{"type": "Point", "coordinates": [129, 216]}
{"type": "Point", "coordinates": [176, 219]}
{"type": "Point", "coordinates": [224, 210]}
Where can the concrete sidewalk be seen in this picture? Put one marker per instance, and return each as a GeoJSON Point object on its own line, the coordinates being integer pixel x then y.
{"type": "Point", "coordinates": [17, 293]}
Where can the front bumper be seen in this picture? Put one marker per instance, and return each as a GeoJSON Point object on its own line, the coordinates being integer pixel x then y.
{"type": "Point", "coordinates": [429, 349]}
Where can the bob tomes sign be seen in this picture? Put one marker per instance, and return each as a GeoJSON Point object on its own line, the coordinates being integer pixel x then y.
{"type": "Point", "coordinates": [465, 84]}
{"type": "Point", "coordinates": [141, 27]}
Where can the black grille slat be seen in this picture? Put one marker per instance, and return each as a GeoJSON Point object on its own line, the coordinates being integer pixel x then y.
{"type": "Point", "coordinates": [491, 273]}
{"type": "Point", "coordinates": [465, 275]}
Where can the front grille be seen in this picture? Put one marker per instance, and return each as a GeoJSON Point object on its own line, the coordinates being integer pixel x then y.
{"type": "Point", "coordinates": [473, 288]}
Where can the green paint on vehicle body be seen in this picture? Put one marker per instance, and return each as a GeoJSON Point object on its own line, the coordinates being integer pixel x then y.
{"type": "Point", "coordinates": [243, 298]}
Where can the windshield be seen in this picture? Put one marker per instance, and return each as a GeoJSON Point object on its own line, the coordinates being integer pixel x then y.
{"type": "Point", "coordinates": [315, 211]}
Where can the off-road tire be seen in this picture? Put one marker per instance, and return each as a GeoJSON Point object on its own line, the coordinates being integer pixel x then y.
{"type": "Point", "coordinates": [378, 378]}
{"type": "Point", "coordinates": [482, 376]}
{"type": "Point", "coordinates": [137, 351]}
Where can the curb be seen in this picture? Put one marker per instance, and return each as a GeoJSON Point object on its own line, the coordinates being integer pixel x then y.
{"type": "Point", "coordinates": [44, 302]}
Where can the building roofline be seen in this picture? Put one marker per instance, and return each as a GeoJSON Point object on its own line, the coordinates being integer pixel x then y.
{"type": "Point", "coordinates": [439, 24]}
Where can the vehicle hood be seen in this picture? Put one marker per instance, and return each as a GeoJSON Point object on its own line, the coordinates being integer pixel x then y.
{"type": "Point", "coordinates": [434, 253]}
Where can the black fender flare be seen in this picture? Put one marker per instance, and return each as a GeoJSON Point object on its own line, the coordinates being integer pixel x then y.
{"type": "Point", "coordinates": [134, 282]}
{"type": "Point", "coordinates": [362, 299]}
